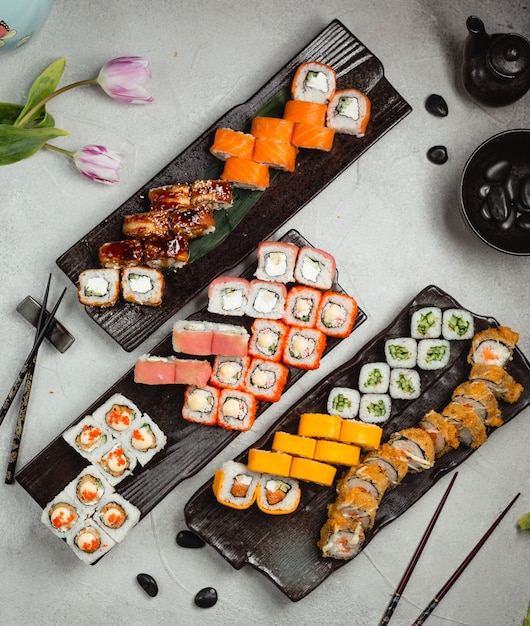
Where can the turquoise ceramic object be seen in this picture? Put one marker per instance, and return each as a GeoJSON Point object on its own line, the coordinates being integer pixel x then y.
{"type": "Point", "coordinates": [20, 21]}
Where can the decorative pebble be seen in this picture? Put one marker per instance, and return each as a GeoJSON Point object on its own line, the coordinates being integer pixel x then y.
{"type": "Point", "coordinates": [524, 192]}
{"type": "Point", "coordinates": [187, 539]}
{"type": "Point", "coordinates": [498, 172]}
{"type": "Point", "coordinates": [498, 204]}
{"type": "Point", "coordinates": [523, 221]}
{"type": "Point", "coordinates": [436, 105]}
{"type": "Point", "coordinates": [206, 598]}
{"type": "Point", "coordinates": [148, 584]}
{"type": "Point", "coordinates": [437, 154]}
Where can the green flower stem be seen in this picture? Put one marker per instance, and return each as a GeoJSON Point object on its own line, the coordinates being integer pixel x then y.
{"type": "Point", "coordinates": [61, 150]}
{"type": "Point", "coordinates": [21, 123]}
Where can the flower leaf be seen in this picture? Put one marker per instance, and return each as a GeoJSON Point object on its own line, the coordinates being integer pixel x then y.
{"type": "Point", "coordinates": [20, 143]}
{"type": "Point", "coordinates": [43, 86]}
{"type": "Point", "coordinates": [9, 113]}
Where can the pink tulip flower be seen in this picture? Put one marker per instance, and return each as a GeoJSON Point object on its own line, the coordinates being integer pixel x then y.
{"type": "Point", "coordinates": [123, 79]}
{"type": "Point", "coordinates": [98, 164]}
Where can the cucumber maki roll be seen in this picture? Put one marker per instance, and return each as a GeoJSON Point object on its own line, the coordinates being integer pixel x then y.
{"type": "Point", "coordinates": [426, 323]}
{"type": "Point", "coordinates": [457, 324]}
{"type": "Point", "coordinates": [374, 408]}
{"type": "Point", "coordinates": [344, 402]}
{"type": "Point", "coordinates": [374, 378]}
{"type": "Point", "coordinates": [401, 352]}
{"type": "Point", "coordinates": [433, 354]}
{"type": "Point", "coordinates": [405, 384]}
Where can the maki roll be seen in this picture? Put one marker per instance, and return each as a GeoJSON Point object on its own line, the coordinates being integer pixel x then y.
{"type": "Point", "coordinates": [493, 346]}
{"type": "Point", "coordinates": [192, 337]}
{"type": "Point", "coordinates": [266, 299]}
{"type": "Point", "coordinates": [401, 352]}
{"type": "Point", "coordinates": [367, 477]}
{"type": "Point", "coordinates": [357, 505]}
{"type": "Point", "coordinates": [216, 194]}
{"type": "Point", "coordinates": [314, 82]}
{"type": "Point", "coordinates": [229, 340]}
{"type": "Point", "coordinates": [319, 425]}
{"type": "Point", "coordinates": [154, 370]}
{"type": "Point", "coordinates": [228, 142]}
{"type": "Point", "coordinates": [118, 413]}
{"type": "Point", "coordinates": [168, 197]}
{"type": "Point", "coordinates": [349, 112]}
{"type": "Point", "coordinates": [88, 487]}
{"type": "Point", "coordinates": [471, 429]}
{"type": "Point", "coordinates": [444, 433]}
{"type": "Point", "coordinates": [146, 439]}
{"type": "Point", "coordinates": [166, 252]}
{"type": "Point", "coordinates": [503, 385]}
{"type": "Point", "coordinates": [116, 516]}
{"type": "Point", "coordinates": [143, 285]}
{"type": "Point", "coordinates": [296, 445]}
{"type": "Point", "coordinates": [312, 471]}
{"type": "Point", "coordinates": [201, 405]}
{"type": "Point", "coordinates": [276, 261]}
{"type": "Point", "coordinates": [99, 287]}
{"type": "Point", "coordinates": [267, 339]}
{"type": "Point", "coordinates": [272, 128]}
{"type": "Point", "coordinates": [279, 155]}
{"type": "Point", "coordinates": [278, 495]}
{"type": "Point", "coordinates": [392, 461]}
{"type": "Point", "coordinates": [374, 378]}
{"type": "Point", "coordinates": [426, 323]}
{"type": "Point", "coordinates": [117, 463]}
{"type": "Point", "coordinates": [62, 514]}
{"type": "Point", "coordinates": [457, 324]}
{"type": "Point", "coordinates": [315, 268]}
{"type": "Point", "coordinates": [477, 395]}
{"type": "Point", "coordinates": [302, 305]}
{"type": "Point", "coordinates": [246, 173]}
{"type": "Point", "coordinates": [305, 112]}
{"type": "Point", "coordinates": [366, 436]}
{"type": "Point", "coordinates": [375, 408]}
{"type": "Point", "coordinates": [228, 371]}
{"type": "Point", "coordinates": [193, 223]}
{"type": "Point", "coordinates": [234, 485]}
{"type": "Point", "coordinates": [89, 438]}
{"type": "Point", "coordinates": [149, 224]}
{"type": "Point", "coordinates": [344, 402]}
{"type": "Point", "coordinates": [417, 446]}
{"type": "Point", "coordinates": [89, 542]}
{"type": "Point", "coordinates": [237, 409]}
{"type": "Point", "coordinates": [118, 254]}
{"type": "Point", "coordinates": [192, 372]}
{"type": "Point", "coordinates": [266, 380]}
{"type": "Point", "coordinates": [267, 462]}
{"type": "Point", "coordinates": [433, 354]}
{"type": "Point", "coordinates": [336, 314]}
{"type": "Point", "coordinates": [337, 453]}
{"type": "Point", "coordinates": [304, 347]}
{"type": "Point", "coordinates": [340, 538]}
{"type": "Point", "coordinates": [313, 137]}
{"type": "Point", "coordinates": [405, 384]}
{"type": "Point", "coordinates": [228, 295]}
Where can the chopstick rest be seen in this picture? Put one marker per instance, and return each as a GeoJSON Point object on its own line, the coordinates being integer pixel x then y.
{"type": "Point", "coordinates": [58, 335]}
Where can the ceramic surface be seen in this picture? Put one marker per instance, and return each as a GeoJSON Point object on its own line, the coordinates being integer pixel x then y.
{"type": "Point", "coordinates": [20, 21]}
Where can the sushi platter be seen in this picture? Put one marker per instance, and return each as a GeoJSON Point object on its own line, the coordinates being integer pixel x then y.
{"type": "Point", "coordinates": [284, 547]}
{"type": "Point", "coordinates": [130, 325]}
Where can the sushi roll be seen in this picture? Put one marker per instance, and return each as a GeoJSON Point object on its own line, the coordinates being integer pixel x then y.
{"type": "Point", "coordinates": [119, 254]}
{"type": "Point", "coordinates": [192, 372]}
{"type": "Point", "coordinates": [278, 495]}
{"type": "Point", "coordinates": [405, 384]}
{"type": "Point", "coordinates": [214, 193]}
{"type": "Point", "coordinates": [374, 378]}
{"type": "Point", "coordinates": [228, 142]}
{"type": "Point", "coordinates": [154, 370]}
{"type": "Point", "coordinates": [272, 128]}
{"type": "Point", "coordinates": [146, 439]}
{"type": "Point", "coordinates": [246, 173]}
{"type": "Point", "coordinates": [235, 485]}
{"type": "Point", "coordinates": [99, 287]}
{"type": "Point", "coordinates": [267, 462]}
{"type": "Point", "coordinates": [337, 453]}
{"type": "Point", "coordinates": [312, 471]}
{"type": "Point", "coordinates": [443, 433]}
{"type": "Point", "coordinates": [302, 305]}
{"type": "Point", "coordinates": [313, 137]}
{"type": "Point", "coordinates": [340, 538]}
{"type": "Point", "coordinates": [62, 514]}
{"type": "Point", "coordinates": [237, 409]}
{"type": "Point", "coordinates": [88, 487]}
{"type": "Point", "coordinates": [477, 395]}
{"type": "Point", "coordinates": [228, 295]}
{"type": "Point", "coordinates": [315, 268]}
{"type": "Point", "coordinates": [457, 324]}
{"type": "Point", "coordinates": [368, 477]}
{"type": "Point", "coordinates": [118, 413]}
{"type": "Point", "coordinates": [433, 354]}
{"type": "Point", "coordinates": [230, 340]}
{"type": "Point", "coordinates": [417, 446]}
{"type": "Point", "coordinates": [89, 541]}
{"type": "Point", "coordinates": [267, 339]}
{"type": "Point", "coordinates": [426, 323]}
{"type": "Point", "coordinates": [192, 337]}
{"type": "Point", "coordinates": [391, 460]}
{"type": "Point", "coordinates": [89, 437]}
{"type": "Point", "coordinates": [266, 380]}
{"type": "Point", "coordinates": [149, 224]}
{"type": "Point", "coordinates": [229, 372]}
{"type": "Point", "coordinates": [493, 346]}
{"type": "Point", "coordinates": [375, 408]}
{"type": "Point", "coordinates": [116, 516]}
{"type": "Point", "coordinates": [320, 426]}
{"type": "Point", "coordinates": [471, 429]}
{"type": "Point", "coordinates": [276, 154]}
{"type": "Point", "coordinates": [117, 463]}
{"type": "Point", "coordinates": [336, 314]}
{"type": "Point", "coordinates": [304, 347]}
{"type": "Point", "coordinates": [168, 197]}
{"type": "Point", "coordinates": [276, 261]}
{"type": "Point", "coordinates": [401, 352]}
{"type": "Point", "coordinates": [344, 402]}
{"type": "Point", "coordinates": [366, 436]}
{"type": "Point", "coordinates": [201, 405]}
{"type": "Point", "coordinates": [166, 252]}
{"type": "Point", "coordinates": [304, 112]}
{"type": "Point", "coordinates": [314, 82]}
{"type": "Point", "coordinates": [266, 299]}
{"type": "Point", "coordinates": [193, 223]}
{"type": "Point", "coordinates": [349, 112]}
{"type": "Point", "coordinates": [503, 385]}
{"type": "Point", "coordinates": [295, 445]}
{"type": "Point", "coordinates": [143, 285]}
{"type": "Point", "coordinates": [357, 505]}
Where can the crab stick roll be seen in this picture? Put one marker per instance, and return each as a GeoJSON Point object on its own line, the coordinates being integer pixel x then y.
{"type": "Point", "coordinates": [315, 268]}
{"type": "Point", "coordinates": [211, 192]}
{"type": "Point", "coordinates": [155, 370]}
{"type": "Point", "coordinates": [493, 346]}
{"type": "Point", "coordinates": [313, 137]}
{"type": "Point", "coordinates": [246, 173]}
{"type": "Point", "coordinates": [192, 372]}
{"type": "Point", "coordinates": [344, 402]}
{"type": "Point", "coordinates": [230, 340]}
{"type": "Point", "coordinates": [266, 299]}
{"type": "Point", "coordinates": [401, 352]}
{"type": "Point", "coordinates": [266, 380]}
{"type": "Point", "coordinates": [302, 305]}
{"type": "Point", "coordinates": [235, 485]}
{"type": "Point", "coordinates": [313, 471]}
{"type": "Point", "coordinates": [349, 112]}
{"type": "Point", "coordinates": [99, 287]}
{"type": "Point", "coordinates": [319, 425]}
{"type": "Point", "coordinates": [391, 460]}
{"type": "Point", "coordinates": [193, 223]}
{"type": "Point", "coordinates": [366, 436]}
{"type": "Point", "coordinates": [118, 413]}
{"type": "Point", "coordinates": [375, 408]}
{"type": "Point", "coordinates": [146, 440]}
{"type": "Point", "coordinates": [168, 197]}
{"type": "Point", "coordinates": [191, 337]}
{"type": "Point", "coordinates": [229, 371]}
{"type": "Point", "coordinates": [141, 225]}
{"type": "Point", "coordinates": [300, 111]}
{"type": "Point", "coordinates": [417, 446]}
{"type": "Point", "coordinates": [304, 347]}
{"type": "Point", "coordinates": [357, 505]}
{"type": "Point", "coordinates": [426, 323]}
{"type": "Point", "coordinates": [166, 252]}
{"type": "Point", "coordinates": [117, 463]}
{"type": "Point", "coordinates": [267, 339]}
{"type": "Point", "coordinates": [201, 405]}
{"type": "Point", "coordinates": [433, 354]}
{"type": "Point", "coordinates": [405, 384]}
{"type": "Point", "coordinates": [276, 154]}
{"type": "Point", "coordinates": [228, 295]}
{"type": "Point", "coordinates": [503, 385]}
{"type": "Point", "coordinates": [232, 143]}
{"type": "Point", "coordinates": [471, 429]}
{"type": "Point", "coordinates": [237, 409]}
{"type": "Point", "coordinates": [367, 477]}
{"type": "Point", "coordinates": [457, 324]}
{"type": "Point", "coordinates": [267, 462]}
{"type": "Point", "coordinates": [296, 445]}
{"type": "Point", "coordinates": [314, 82]}
{"type": "Point", "coordinates": [374, 377]}
{"type": "Point", "coordinates": [443, 433]}
{"type": "Point", "coordinates": [276, 261]}
{"type": "Point", "coordinates": [337, 453]}
{"type": "Point", "coordinates": [336, 314]}
{"type": "Point", "coordinates": [89, 437]}
{"type": "Point", "coordinates": [477, 395]}
{"type": "Point", "coordinates": [143, 285]}
{"type": "Point", "coordinates": [118, 254]}
{"type": "Point", "coordinates": [340, 538]}
{"type": "Point", "coordinates": [278, 495]}
{"type": "Point", "coordinates": [272, 128]}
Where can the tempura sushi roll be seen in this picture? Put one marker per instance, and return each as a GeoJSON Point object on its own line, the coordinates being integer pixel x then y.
{"type": "Point", "coordinates": [88, 487]}
{"type": "Point", "coordinates": [304, 347]}
{"type": "Point", "coordinates": [201, 405]}
{"type": "Point", "coordinates": [143, 285]}
{"type": "Point", "coordinates": [168, 197]}
{"type": "Point", "coordinates": [99, 287]}
{"type": "Point", "coordinates": [401, 352]}
{"type": "Point", "coordinates": [457, 324]}
{"type": "Point", "coordinates": [266, 299]}
{"type": "Point", "coordinates": [366, 436]}
{"type": "Point", "coordinates": [267, 339]}
{"type": "Point", "coordinates": [118, 463]}
{"type": "Point", "coordinates": [276, 261]}
{"type": "Point", "coordinates": [228, 295]}
{"type": "Point", "coordinates": [89, 542]}
{"type": "Point", "coordinates": [443, 432]}
{"type": "Point", "coordinates": [235, 485]}
{"type": "Point", "coordinates": [344, 401]}
{"type": "Point", "coordinates": [118, 254]}
{"type": "Point", "coordinates": [417, 446]}
{"type": "Point", "coordinates": [357, 505]}
{"type": "Point", "coordinates": [313, 137]}
{"type": "Point", "coordinates": [276, 154]}
{"type": "Point", "coordinates": [336, 314]}
{"type": "Point", "coordinates": [62, 513]}
{"type": "Point", "coordinates": [89, 437]}
{"type": "Point", "coordinates": [366, 476]}
{"type": "Point", "coordinates": [374, 377]}
{"type": "Point", "coordinates": [302, 306]}
{"type": "Point", "coordinates": [477, 395]}
{"type": "Point", "coordinates": [305, 112]}
{"type": "Point", "coordinates": [266, 380]}
{"type": "Point", "coordinates": [433, 354]}
{"type": "Point", "coordinates": [192, 337]}
{"type": "Point", "coordinates": [278, 495]}
{"type": "Point", "coordinates": [193, 223]}
{"type": "Point", "coordinates": [296, 445]}
{"type": "Point", "coordinates": [246, 173]}
{"type": "Point", "coordinates": [228, 142]}
{"type": "Point", "coordinates": [117, 413]}
{"type": "Point", "coordinates": [426, 323]}
{"type": "Point", "coordinates": [503, 385]}
{"type": "Point", "coordinates": [166, 252]}
{"type": "Point", "coordinates": [116, 516]}
{"type": "Point", "coordinates": [237, 409]}
{"type": "Point", "coordinates": [391, 460]}
{"type": "Point", "coordinates": [314, 82]}
{"type": "Point", "coordinates": [471, 429]}
{"type": "Point", "coordinates": [154, 370]}
{"type": "Point", "coordinates": [230, 340]}
{"type": "Point", "coordinates": [340, 538]}
{"type": "Point", "coordinates": [315, 268]}
{"type": "Point", "coordinates": [211, 192]}
{"type": "Point", "coordinates": [146, 439]}
{"type": "Point", "coordinates": [337, 453]}
{"type": "Point", "coordinates": [229, 371]}
{"type": "Point", "coordinates": [493, 346]}
{"type": "Point", "coordinates": [149, 224]}
{"type": "Point", "coordinates": [192, 372]}
{"type": "Point", "coordinates": [375, 408]}
{"type": "Point", "coordinates": [405, 384]}
{"type": "Point", "coordinates": [349, 112]}
{"type": "Point", "coordinates": [272, 128]}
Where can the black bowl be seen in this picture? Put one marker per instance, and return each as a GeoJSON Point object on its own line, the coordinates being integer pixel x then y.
{"type": "Point", "coordinates": [512, 146]}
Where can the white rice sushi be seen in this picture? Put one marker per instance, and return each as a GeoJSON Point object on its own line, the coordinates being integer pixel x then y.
{"type": "Point", "coordinates": [375, 408]}
{"type": "Point", "coordinates": [88, 487]}
{"type": "Point", "coordinates": [89, 541]}
{"type": "Point", "coordinates": [228, 295]}
{"type": "Point", "coordinates": [401, 352]}
{"type": "Point", "coordinates": [276, 261]}
{"type": "Point", "coordinates": [405, 384]}
{"type": "Point", "coordinates": [433, 354]}
{"type": "Point", "coordinates": [314, 82]}
{"type": "Point", "coordinates": [143, 285]}
{"type": "Point", "coordinates": [234, 485]}
{"type": "Point", "coordinates": [374, 378]}
{"type": "Point", "coordinates": [344, 402]}
{"type": "Point", "coordinates": [349, 112]}
{"type": "Point", "coordinates": [62, 514]}
{"type": "Point", "coordinates": [457, 324]}
{"type": "Point", "coordinates": [145, 440]}
{"type": "Point", "coordinates": [117, 414]}
{"type": "Point", "coordinates": [118, 463]}
{"type": "Point", "coordinates": [278, 495]}
{"type": "Point", "coordinates": [315, 268]}
{"type": "Point", "coordinates": [99, 287]}
{"type": "Point", "coordinates": [266, 299]}
{"type": "Point", "coordinates": [426, 323]}
{"type": "Point", "coordinates": [90, 438]}
{"type": "Point", "coordinates": [116, 516]}
{"type": "Point", "coordinates": [201, 404]}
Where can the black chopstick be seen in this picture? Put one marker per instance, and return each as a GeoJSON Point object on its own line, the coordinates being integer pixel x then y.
{"type": "Point", "coordinates": [22, 374]}
{"type": "Point", "coordinates": [438, 597]}
{"type": "Point", "coordinates": [396, 597]}
{"type": "Point", "coordinates": [17, 437]}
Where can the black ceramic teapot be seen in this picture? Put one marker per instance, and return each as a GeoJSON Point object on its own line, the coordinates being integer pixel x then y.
{"type": "Point", "coordinates": [495, 68]}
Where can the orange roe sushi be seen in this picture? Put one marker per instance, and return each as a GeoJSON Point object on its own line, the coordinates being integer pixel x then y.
{"type": "Point", "coordinates": [277, 154]}
{"type": "Point", "coordinates": [312, 113]}
{"type": "Point", "coordinates": [228, 142]}
{"type": "Point", "coordinates": [274, 128]}
{"type": "Point", "coordinates": [313, 137]}
{"type": "Point", "coordinates": [246, 173]}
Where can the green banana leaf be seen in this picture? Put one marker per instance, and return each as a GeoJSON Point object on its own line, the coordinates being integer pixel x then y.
{"type": "Point", "coordinates": [20, 143]}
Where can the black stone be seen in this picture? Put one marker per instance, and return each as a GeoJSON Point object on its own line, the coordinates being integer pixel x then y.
{"type": "Point", "coordinates": [512, 185]}
{"type": "Point", "coordinates": [148, 584]}
{"type": "Point", "coordinates": [187, 539]}
{"type": "Point", "coordinates": [498, 204]}
{"type": "Point", "coordinates": [484, 190]}
{"type": "Point", "coordinates": [498, 172]}
{"type": "Point", "coordinates": [206, 598]}
{"type": "Point", "coordinates": [523, 221]}
{"type": "Point", "coordinates": [436, 105]}
{"type": "Point", "coordinates": [437, 154]}
{"type": "Point", "coordinates": [485, 212]}
{"type": "Point", "coordinates": [524, 192]}
{"type": "Point", "coordinates": [509, 221]}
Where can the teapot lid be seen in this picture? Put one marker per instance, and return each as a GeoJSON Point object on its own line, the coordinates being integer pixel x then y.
{"type": "Point", "coordinates": [510, 55]}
